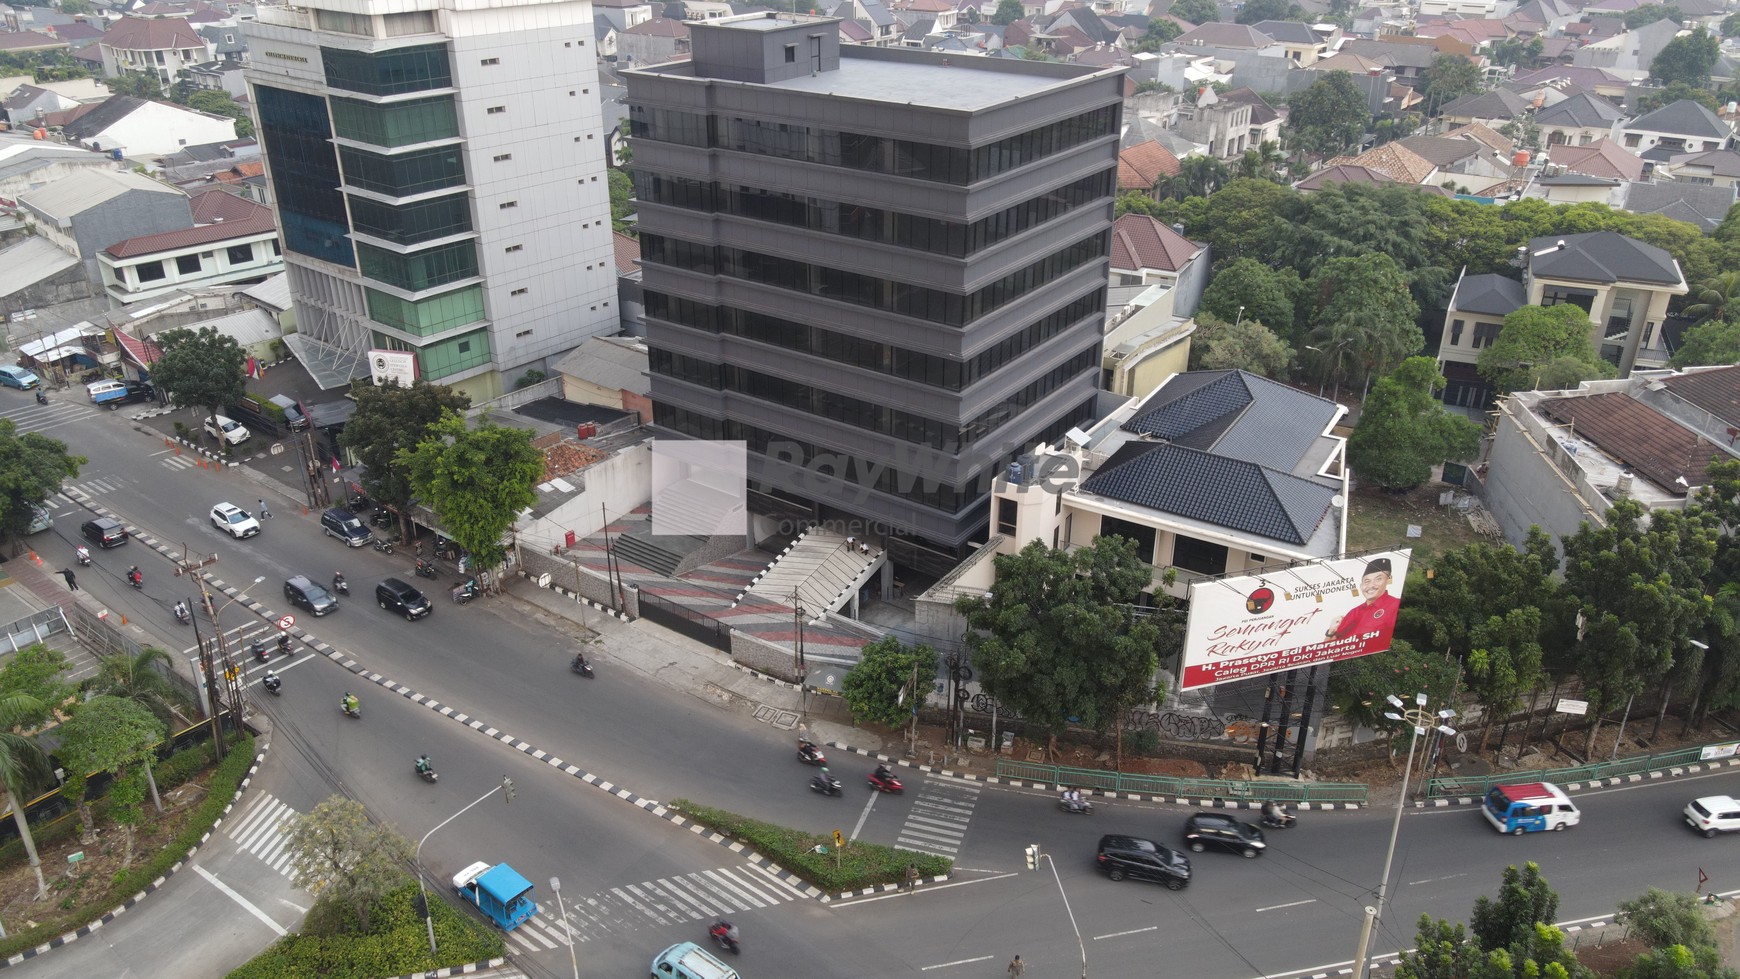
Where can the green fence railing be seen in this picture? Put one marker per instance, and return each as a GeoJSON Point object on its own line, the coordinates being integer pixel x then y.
{"type": "Point", "coordinates": [1189, 788]}
{"type": "Point", "coordinates": [1477, 786]}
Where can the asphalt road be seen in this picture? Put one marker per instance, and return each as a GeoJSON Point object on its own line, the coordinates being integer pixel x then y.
{"type": "Point", "coordinates": [629, 878]}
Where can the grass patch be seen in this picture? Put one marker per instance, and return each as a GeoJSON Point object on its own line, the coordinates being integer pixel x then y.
{"type": "Point", "coordinates": [860, 864]}
{"type": "Point", "coordinates": [78, 901]}
{"type": "Point", "coordinates": [332, 945]}
{"type": "Point", "coordinates": [1380, 520]}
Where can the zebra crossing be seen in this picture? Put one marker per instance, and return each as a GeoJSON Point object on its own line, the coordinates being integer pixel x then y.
{"type": "Point", "coordinates": [704, 895]}
{"type": "Point", "coordinates": [938, 820]}
{"type": "Point", "coordinates": [100, 485]}
{"type": "Point", "coordinates": [261, 832]}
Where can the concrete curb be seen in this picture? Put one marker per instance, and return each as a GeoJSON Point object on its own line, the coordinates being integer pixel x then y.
{"type": "Point", "coordinates": [1600, 783]}
{"type": "Point", "coordinates": [467, 969]}
{"type": "Point", "coordinates": [582, 600]}
{"type": "Point", "coordinates": [151, 888]}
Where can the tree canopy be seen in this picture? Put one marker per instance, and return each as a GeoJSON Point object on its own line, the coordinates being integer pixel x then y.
{"type": "Point", "coordinates": [1542, 347]}
{"type": "Point", "coordinates": [336, 853]}
{"type": "Point", "coordinates": [1243, 343]}
{"type": "Point", "coordinates": [32, 466]}
{"type": "Point", "coordinates": [138, 84]}
{"type": "Point", "coordinates": [1196, 11]}
{"type": "Point", "coordinates": [1256, 11]}
{"type": "Point", "coordinates": [108, 734]}
{"type": "Point", "coordinates": [389, 419]}
{"type": "Point", "coordinates": [219, 103]}
{"type": "Point", "coordinates": [1709, 343]}
{"type": "Point", "coordinates": [1251, 289]}
{"type": "Point", "coordinates": [1329, 116]}
{"type": "Point", "coordinates": [477, 480]}
{"type": "Point", "coordinates": [1688, 58]}
{"type": "Point", "coordinates": [1405, 430]}
{"type": "Point", "coordinates": [873, 690]}
{"type": "Point", "coordinates": [1450, 77]}
{"type": "Point", "coordinates": [1008, 12]}
{"type": "Point", "coordinates": [203, 369]}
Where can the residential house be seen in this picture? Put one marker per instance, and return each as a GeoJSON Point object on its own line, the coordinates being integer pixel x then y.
{"type": "Point", "coordinates": [1460, 8]}
{"type": "Point", "coordinates": [27, 164]}
{"type": "Point", "coordinates": [610, 372]}
{"type": "Point", "coordinates": [1629, 53]}
{"type": "Point", "coordinates": [1579, 120]}
{"type": "Point", "coordinates": [28, 42]}
{"type": "Point", "coordinates": [159, 46]}
{"type": "Point", "coordinates": [1475, 313]}
{"type": "Point", "coordinates": [27, 104]}
{"type": "Point", "coordinates": [1376, 81]}
{"type": "Point", "coordinates": [652, 42]}
{"type": "Point", "coordinates": [1598, 80]}
{"type": "Point", "coordinates": [1211, 473]}
{"type": "Point", "coordinates": [135, 127]}
{"type": "Point", "coordinates": [1473, 165]}
{"type": "Point", "coordinates": [1622, 283]}
{"type": "Point", "coordinates": [1719, 167]}
{"type": "Point", "coordinates": [1146, 251]}
{"type": "Point", "coordinates": [1143, 166]}
{"type": "Point", "coordinates": [1407, 58]}
{"type": "Point", "coordinates": [1491, 109]}
{"type": "Point", "coordinates": [1394, 161]}
{"type": "Point", "coordinates": [623, 14]}
{"type": "Point", "coordinates": [1222, 126]}
{"type": "Point", "coordinates": [1704, 13]}
{"type": "Point", "coordinates": [1303, 45]}
{"type": "Point", "coordinates": [1602, 158]}
{"type": "Point", "coordinates": [1675, 130]}
{"type": "Point", "coordinates": [1548, 17]}
{"type": "Point", "coordinates": [1577, 188]}
{"type": "Point", "coordinates": [1343, 173]}
{"type": "Point", "coordinates": [232, 240]}
{"type": "Point", "coordinates": [1265, 122]}
{"type": "Point", "coordinates": [1221, 37]}
{"type": "Point", "coordinates": [1560, 459]}
{"type": "Point", "coordinates": [1704, 205]}
{"type": "Point", "coordinates": [86, 211]}
{"type": "Point", "coordinates": [874, 18]}
{"type": "Point", "coordinates": [706, 10]}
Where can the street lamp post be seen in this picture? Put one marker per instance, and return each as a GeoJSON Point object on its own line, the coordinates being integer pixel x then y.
{"type": "Point", "coordinates": [562, 906]}
{"type": "Point", "coordinates": [417, 857]}
{"type": "Point", "coordinates": [1422, 720]}
{"type": "Point", "coordinates": [1034, 855]}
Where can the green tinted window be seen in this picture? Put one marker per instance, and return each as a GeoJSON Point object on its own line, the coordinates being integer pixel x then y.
{"type": "Point", "coordinates": [421, 270]}
{"type": "Point", "coordinates": [397, 124]}
{"type": "Point", "coordinates": [407, 224]}
{"type": "Point", "coordinates": [415, 69]}
{"type": "Point", "coordinates": [427, 317]}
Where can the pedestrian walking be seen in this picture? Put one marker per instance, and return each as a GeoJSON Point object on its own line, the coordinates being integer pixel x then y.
{"type": "Point", "coordinates": [1016, 967]}
{"type": "Point", "coordinates": [265, 514]}
{"type": "Point", "coordinates": [72, 581]}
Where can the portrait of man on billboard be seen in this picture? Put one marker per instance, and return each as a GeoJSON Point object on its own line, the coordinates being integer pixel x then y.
{"type": "Point", "coordinates": [1376, 611]}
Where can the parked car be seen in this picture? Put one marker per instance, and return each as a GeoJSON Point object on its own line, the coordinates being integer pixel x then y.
{"type": "Point", "coordinates": [346, 526]}
{"type": "Point", "coordinates": [116, 393]}
{"type": "Point", "coordinates": [1713, 814]}
{"type": "Point", "coordinates": [40, 520]}
{"type": "Point", "coordinates": [227, 430]}
{"type": "Point", "coordinates": [397, 595]}
{"type": "Point", "coordinates": [13, 376]}
{"type": "Point", "coordinates": [104, 532]}
{"type": "Point", "coordinates": [1140, 859]}
{"type": "Point", "coordinates": [1214, 829]}
{"type": "Point", "coordinates": [234, 520]}
{"type": "Point", "coordinates": [300, 591]}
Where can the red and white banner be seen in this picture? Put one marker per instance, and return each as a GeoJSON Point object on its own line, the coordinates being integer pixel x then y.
{"type": "Point", "coordinates": [1252, 625]}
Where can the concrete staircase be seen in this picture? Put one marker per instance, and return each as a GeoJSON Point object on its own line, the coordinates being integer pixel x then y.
{"type": "Point", "coordinates": [822, 568]}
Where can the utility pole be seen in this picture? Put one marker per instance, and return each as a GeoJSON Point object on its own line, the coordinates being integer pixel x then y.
{"type": "Point", "coordinates": [318, 495]}
{"type": "Point", "coordinates": [799, 666]}
{"type": "Point", "coordinates": [221, 691]}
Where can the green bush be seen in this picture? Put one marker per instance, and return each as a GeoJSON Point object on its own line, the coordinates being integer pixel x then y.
{"type": "Point", "coordinates": [224, 780]}
{"type": "Point", "coordinates": [182, 767]}
{"type": "Point", "coordinates": [860, 864]}
{"type": "Point", "coordinates": [395, 944]}
{"type": "Point", "coordinates": [1143, 742]}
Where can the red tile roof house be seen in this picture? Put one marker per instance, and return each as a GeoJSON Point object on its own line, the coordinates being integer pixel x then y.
{"type": "Point", "coordinates": [232, 240]}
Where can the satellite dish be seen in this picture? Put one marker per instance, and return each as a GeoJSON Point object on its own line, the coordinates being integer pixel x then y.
{"type": "Point", "coordinates": [1338, 501]}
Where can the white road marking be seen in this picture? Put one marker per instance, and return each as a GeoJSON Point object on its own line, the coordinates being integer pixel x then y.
{"type": "Point", "coordinates": [862, 816]}
{"type": "Point", "coordinates": [947, 965]}
{"type": "Point", "coordinates": [246, 904]}
{"type": "Point", "coordinates": [1432, 880]}
{"type": "Point", "coordinates": [1133, 931]}
{"type": "Point", "coordinates": [1277, 907]}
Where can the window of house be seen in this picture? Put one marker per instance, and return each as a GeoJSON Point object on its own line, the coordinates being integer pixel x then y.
{"type": "Point", "coordinates": [1200, 556]}
{"type": "Point", "coordinates": [1005, 507]}
{"type": "Point", "coordinates": [791, 54]}
{"type": "Point", "coordinates": [522, 290]}
{"type": "Point", "coordinates": [502, 157]}
{"type": "Point", "coordinates": [150, 271]}
{"type": "Point", "coordinates": [504, 205]}
{"type": "Point", "coordinates": [513, 248]}
{"type": "Point", "coordinates": [1484, 334]}
{"type": "Point", "coordinates": [496, 110]}
{"type": "Point", "coordinates": [1455, 333]}
{"type": "Point", "coordinates": [1143, 536]}
{"type": "Point", "coordinates": [490, 61]}
{"type": "Point", "coordinates": [1648, 333]}
{"type": "Point", "coordinates": [188, 264]}
{"type": "Point", "coordinates": [240, 254]}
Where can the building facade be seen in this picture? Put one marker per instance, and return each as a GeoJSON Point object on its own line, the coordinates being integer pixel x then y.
{"type": "Point", "coordinates": [884, 270]}
{"type": "Point", "coordinates": [439, 176]}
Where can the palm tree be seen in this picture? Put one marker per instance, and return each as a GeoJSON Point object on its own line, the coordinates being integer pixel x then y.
{"type": "Point", "coordinates": [1717, 297]}
{"type": "Point", "coordinates": [23, 763]}
{"type": "Point", "coordinates": [138, 679]}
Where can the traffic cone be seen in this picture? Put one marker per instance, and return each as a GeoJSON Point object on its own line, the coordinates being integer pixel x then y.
{"type": "Point", "coordinates": [34, 558]}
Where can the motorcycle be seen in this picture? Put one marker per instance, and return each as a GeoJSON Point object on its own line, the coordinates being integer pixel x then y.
{"type": "Point", "coordinates": [809, 754]}
{"type": "Point", "coordinates": [349, 711]}
{"type": "Point", "coordinates": [384, 546]}
{"type": "Point", "coordinates": [259, 649]}
{"type": "Point", "coordinates": [1279, 819]}
{"type": "Point", "coordinates": [382, 517]}
{"type": "Point", "coordinates": [1080, 807]}
{"type": "Point", "coordinates": [580, 666]}
{"type": "Point", "coordinates": [182, 615]}
{"type": "Point", "coordinates": [284, 648]}
{"type": "Point", "coordinates": [424, 569]}
{"type": "Point", "coordinates": [360, 503]}
{"type": "Point", "coordinates": [428, 774]}
{"type": "Point", "coordinates": [725, 934]}
{"type": "Point", "coordinates": [339, 585]}
{"type": "Point", "coordinates": [137, 579]}
{"type": "Point", "coordinates": [825, 784]}
{"type": "Point", "coordinates": [84, 559]}
{"type": "Point", "coordinates": [466, 592]}
{"type": "Point", "coordinates": [41, 398]}
{"type": "Point", "coordinates": [272, 683]}
{"type": "Point", "coordinates": [889, 784]}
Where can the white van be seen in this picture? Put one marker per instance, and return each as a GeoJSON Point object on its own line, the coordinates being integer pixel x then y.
{"type": "Point", "coordinates": [686, 960]}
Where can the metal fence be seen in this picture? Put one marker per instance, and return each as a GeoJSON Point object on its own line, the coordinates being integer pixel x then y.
{"type": "Point", "coordinates": [696, 625]}
{"type": "Point", "coordinates": [1189, 788]}
{"type": "Point", "coordinates": [1476, 786]}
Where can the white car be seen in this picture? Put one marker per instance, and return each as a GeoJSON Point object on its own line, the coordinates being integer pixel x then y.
{"type": "Point", "coordinates": [1713, 814]}
{"type": "Point", "coordinates": [234, 520]}
{"type": "Point", "coordinates": [227, 429]}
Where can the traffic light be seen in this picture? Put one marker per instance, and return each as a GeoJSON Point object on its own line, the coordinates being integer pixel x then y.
{"type": "Point", "coordinates": [1033, 856]}
{"type": "Point", "coordinates": [507, 787]}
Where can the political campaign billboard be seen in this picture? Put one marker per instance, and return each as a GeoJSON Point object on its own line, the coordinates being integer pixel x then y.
{"type": "Point", "coordinates": [1321, 612]}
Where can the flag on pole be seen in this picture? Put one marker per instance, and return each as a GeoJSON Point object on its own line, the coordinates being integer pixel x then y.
{"type": "Point", "coordinates": [335, 464]}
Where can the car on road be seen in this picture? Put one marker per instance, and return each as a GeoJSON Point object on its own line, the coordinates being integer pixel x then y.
{"type": "Point", "coordinates": [1713, 814]}
{"type": "Point", "coordinates": [104, 532]}
{"type": "Point", "coordinates": [116, 393]}
{"type": "Point", "coordinates": [40, 520]}
{"type": "Point", "coordinates": [346, 526]}
{"type": "Point", "coordinates": [234, 520]}
{"type": "Point", "coordinates": [1214, 829]}
{"type": "Point", "coordinates": [227, 430]}
{"type": "Point", "coordinates": [398, 595]}
{"type": "Point", "coordinates": [301, 591]}
{"type": "Point", "coordinates": [1139, 859]}
{"type": "Point", "coordinates": [13, 376]}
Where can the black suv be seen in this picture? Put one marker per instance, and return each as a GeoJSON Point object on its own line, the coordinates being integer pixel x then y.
{"type": "Point", "coordinates": [305, 593]}
{"type": "Point", "coordinates": [1206, 829]}
{"type": "Point", "coordinates": [1140, 859]}
{"type": "Point", "coordinates": [344, 525]}
{"type": "Point", "coordinates": [397, 595]}
{"type": "Point", "coordinates": [104, 532]}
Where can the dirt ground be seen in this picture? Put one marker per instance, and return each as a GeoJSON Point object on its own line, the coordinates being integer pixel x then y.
{"type": "Point", "coordinates": [88, 883]}
{"type": "Point", "coordinates": [1378, 519]}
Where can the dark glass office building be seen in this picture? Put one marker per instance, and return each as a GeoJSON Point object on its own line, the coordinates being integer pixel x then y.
{"type": "Point", "coordinates": [884, 270]}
